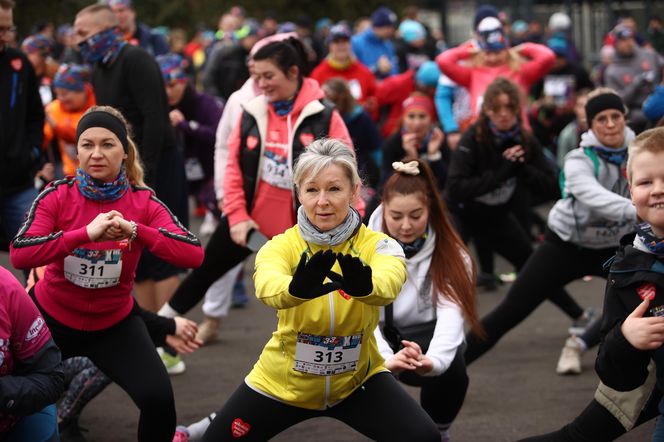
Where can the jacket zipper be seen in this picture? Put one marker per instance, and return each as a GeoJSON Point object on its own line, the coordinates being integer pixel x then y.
{"type": "Point", "coordinates": [330, 297]}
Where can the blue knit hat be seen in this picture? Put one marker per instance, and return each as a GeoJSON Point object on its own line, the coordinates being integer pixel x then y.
{"type": "Point", "coordinates": [383, 17]}
{"type": "Point", "coordinates": [428, 74]}
{"type": "Point", "coordinates": [411, 31]}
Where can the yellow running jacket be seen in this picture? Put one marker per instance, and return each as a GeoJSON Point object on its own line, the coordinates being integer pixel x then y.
{"type": "Point", "coordinates": [323, 348]}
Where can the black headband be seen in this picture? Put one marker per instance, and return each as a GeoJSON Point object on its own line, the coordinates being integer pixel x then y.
{"type": "Point", "coordinates": [601, 103]}
{"type": "Point", "coordinates": [105, 120]}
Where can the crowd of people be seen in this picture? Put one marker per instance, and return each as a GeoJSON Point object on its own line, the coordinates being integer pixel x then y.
{"type": "Point", "coordinates": [360, 160]}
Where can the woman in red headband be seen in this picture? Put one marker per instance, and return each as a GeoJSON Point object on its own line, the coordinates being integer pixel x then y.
{"type": "Point", "coordinates": [419, 137]}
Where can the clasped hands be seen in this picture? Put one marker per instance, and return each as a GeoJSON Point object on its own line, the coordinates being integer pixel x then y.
{"type": "Point", "coordinates": [109, 226]}
{"type": "Point", "coordinates": [308, 279]}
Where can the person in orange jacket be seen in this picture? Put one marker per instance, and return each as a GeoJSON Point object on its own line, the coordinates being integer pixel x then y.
{"type": "Point", "coordinates": [74, 96]}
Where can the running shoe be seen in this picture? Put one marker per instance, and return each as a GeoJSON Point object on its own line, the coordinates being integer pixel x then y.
{"type": "Point", "coordinates": [174, 364]}
{"type": "Point", "coordinates": [487, 281]}
{"type": "Point", "coordinates": [181, 434]}
{"type": "Point", "coordinates": [570, 357]}
{"type": "Point", "coordinates": [507, 277]}
{"type": "Point", "coordinates": [209, 225]}
{"type": "Point", "coordinates": [580, 325]}
{"type": "Point", "coordinates": [208, 330]}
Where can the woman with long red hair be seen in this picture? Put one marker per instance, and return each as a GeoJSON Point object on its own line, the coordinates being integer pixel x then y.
{"type": "Point", "coordinates": [437, 297]}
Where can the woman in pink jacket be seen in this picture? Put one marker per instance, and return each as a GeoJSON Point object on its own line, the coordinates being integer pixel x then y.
{"type": "Point", "coordinates": [89, 231]}
{"type": "Point", "coordinates": [476, 63]}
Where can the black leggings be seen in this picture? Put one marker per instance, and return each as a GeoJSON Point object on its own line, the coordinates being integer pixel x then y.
{"type": "Point", "coordinates": [597, 424]}
{"type": "Point", "coordinates": [553, 264]}
{"type": "Point", "coordinates": [379, 409]}
{"type": "Point", "coordinates": [221, 255]}
{"type": "Point", "coordinates": [442, 396]}
{"type": "Point", "coordinates": [498, 229]}
{"type": "Point", "coordinates": [126, 354]}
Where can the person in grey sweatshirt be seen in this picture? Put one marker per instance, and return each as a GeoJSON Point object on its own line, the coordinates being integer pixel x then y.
{"type": "Point", "coordinates": [634, 73]}
{"type": "Point", "coordinates": [584, 227]}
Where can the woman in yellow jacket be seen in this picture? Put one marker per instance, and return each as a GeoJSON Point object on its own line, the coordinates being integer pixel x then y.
{"type": "Point", "coordinates": [326, 277]}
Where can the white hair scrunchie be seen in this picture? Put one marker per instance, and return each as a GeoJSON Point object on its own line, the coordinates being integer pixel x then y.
{"type": "Point", "coordinates": [409, 168]}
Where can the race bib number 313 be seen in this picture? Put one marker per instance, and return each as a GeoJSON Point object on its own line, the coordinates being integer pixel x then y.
{"type": "Point", "coordinates": [94, 269]}
{"type": "Point", "coordinates": [327, 355]}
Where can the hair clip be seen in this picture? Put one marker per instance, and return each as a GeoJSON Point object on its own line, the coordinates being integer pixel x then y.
{"type": "Point", "coordinates": [410, 168]}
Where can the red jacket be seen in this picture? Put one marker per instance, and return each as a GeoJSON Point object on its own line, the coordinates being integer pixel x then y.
{"type": "Point", "coordinates": [391, 93]}
{"type": "Point", "coordinates": [273, 201]}
{"type": "Point", "coordinates": [87, 285]}
{"type": "Point", "coordinates": [361, 81]}
{"type": "Point", "coordinates": [477, 78]}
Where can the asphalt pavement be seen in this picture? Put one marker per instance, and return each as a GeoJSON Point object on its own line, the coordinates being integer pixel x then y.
{"type": "Point", "coordinates": [514, 391]}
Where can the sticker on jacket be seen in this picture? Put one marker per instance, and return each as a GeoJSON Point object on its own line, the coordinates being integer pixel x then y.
{"type": "Point", "coordinates": [327, 355]}
{"type": "Point", "coordinates": [94, 269]}
{"type": "Point", "coordinates": [389, 247]}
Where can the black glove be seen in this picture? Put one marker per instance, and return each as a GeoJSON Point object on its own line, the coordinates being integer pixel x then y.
{"type": "Point", "coordinates": [356, 279]}
{"type": "Point", "coordinates": [308, 278]}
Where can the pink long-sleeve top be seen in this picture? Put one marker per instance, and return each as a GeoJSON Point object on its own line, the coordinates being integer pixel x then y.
{"type": "Point", "coordinates": [539, 60]}
{"type": "Point", "coordinates": [87, 285]}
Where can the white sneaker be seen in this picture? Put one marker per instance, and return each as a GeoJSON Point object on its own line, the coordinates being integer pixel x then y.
{"type": "Point", "coordinates": [208, 225]}
{"type": "Point", "coordinates": [570, 358]}
{"type": "Point", "coordinates": [174, 364]}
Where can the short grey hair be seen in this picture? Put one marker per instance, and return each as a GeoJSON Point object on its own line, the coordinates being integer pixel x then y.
{"type": "Point", "coordinates": [323, 153]}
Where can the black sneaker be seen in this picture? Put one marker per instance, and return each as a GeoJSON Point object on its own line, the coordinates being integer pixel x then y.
{"type": "Point", "coordinates": [71, 432]}
{"type": "Point", "coordinates": [487, 281]}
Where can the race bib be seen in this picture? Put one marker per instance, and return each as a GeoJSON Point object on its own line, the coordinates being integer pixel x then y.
{"type": "Point", "coordinates": [327, 355]}
{"type": "Point", "coordinates": [193, 169]}
{"type": "Point", "coordinates": [355, 88]}
{"type": "Point", "coordinates": [94, 269]}
{"type": "Point", "coordinates": [275, 168]}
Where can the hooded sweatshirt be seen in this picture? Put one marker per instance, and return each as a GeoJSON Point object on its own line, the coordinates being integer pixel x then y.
{"type": "Point", "coordinates": [414, 305]}
{"type": "Point", "coordinates": [598, 210]}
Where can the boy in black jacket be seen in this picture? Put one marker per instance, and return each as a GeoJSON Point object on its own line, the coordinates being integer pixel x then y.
{"type": "Point", "coordinates": [633, 323]}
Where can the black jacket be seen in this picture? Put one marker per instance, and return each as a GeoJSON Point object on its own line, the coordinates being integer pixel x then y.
{"type": "Point", "coordinates": [620, 365]}
{"type": "Point", "coordinates": [476, 170]}
{"type": "Point", "coordinates": [21, 122]}
{"type": "Point", "coordinates": [134, 85]}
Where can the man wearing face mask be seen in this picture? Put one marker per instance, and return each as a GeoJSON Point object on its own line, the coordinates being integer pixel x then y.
{"type": "Point", "coordinates": [128, 78]}
{"type": "Point", "coordinates": [21, 123]}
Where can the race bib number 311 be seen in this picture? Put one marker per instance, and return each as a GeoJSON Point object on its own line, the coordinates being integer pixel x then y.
{"type": "Point", "coordinates": [327, 355]}
{"type": "Point", "coordinates": [94, 269]}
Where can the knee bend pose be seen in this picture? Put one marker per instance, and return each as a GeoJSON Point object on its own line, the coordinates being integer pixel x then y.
{"type": "Point", "coordinates": [326, 277]}
{"type": "Point", "coordinates": [585, 226]}
{"type": "Point", "coordinates": [31, 375]}
{"type": "Point", "coordinates": [438, 293]}
{"type": "Point", "coordinates": [89, 231]}
{"type": "Point", "coordinates": [272, 131]}
{"type": "Point", "coordinates": [631, 330]}
{"type": "Point", "coordinates": [495, 165]}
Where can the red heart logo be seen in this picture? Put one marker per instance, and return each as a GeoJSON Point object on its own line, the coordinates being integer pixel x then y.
{"type": "Point", "coordinates": [239, 428]}
{"type": "Point", "coordinates": [252, 142]}
{"type": "Point", "coordinates": [17, 64]}
{"type": "Point", "coordinates": [648, 290]}
{"type": "Point", "coordinates": [306, 139]}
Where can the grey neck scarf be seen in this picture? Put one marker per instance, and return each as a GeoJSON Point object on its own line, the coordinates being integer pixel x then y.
{"type": "Point", "coordinates": [332, 237]}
